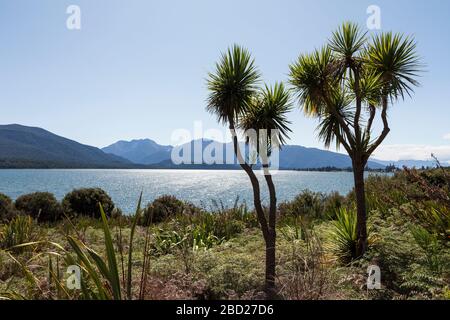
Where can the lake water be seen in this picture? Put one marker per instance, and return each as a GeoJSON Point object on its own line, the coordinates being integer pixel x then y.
{"type": "Point", "coordinates": [197, 186]}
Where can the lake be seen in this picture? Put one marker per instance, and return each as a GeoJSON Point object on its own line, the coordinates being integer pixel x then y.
{"type": "Point", "coordinates": [196, 186]}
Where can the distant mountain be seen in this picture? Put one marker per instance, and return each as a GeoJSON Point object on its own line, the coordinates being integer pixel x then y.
{"type": "Point", "coordinates": [149, 152]}
{"type": "Point", "coordinates": [30, 147]}
{"type": "Point", "coordinates": [298, 157]}
{"type": "Point", "coordinates": [144, 151]}
{"type": "Point", "coordinates": [410, 163]}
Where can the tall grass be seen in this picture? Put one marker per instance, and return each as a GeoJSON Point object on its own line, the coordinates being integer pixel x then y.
{"type": "Point", "coordinates": [18, 231]}
{"type": "Point", "coordinates": [304, 276]}
{"type": "Point", "coordinates": [99, 269]}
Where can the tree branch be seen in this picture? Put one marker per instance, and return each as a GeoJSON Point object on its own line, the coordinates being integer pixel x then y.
{"type": "Point", "coordinates": [356, 126]}
{"type": "Point", "coordinates": [384, 133]}
{"type": "Point", "coordinates": [372, 111]}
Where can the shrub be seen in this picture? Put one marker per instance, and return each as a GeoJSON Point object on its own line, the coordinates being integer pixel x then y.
{"type": "Point", "coordinates": [307, 203]}
{"type": "Point", "coordinates": [223, 226]}
{"type": "Point", "coordinates": [239, 212]}
{"type": "Point", "coordinates": [202, 230]}
{"type": "Point", "coordinates": [231, 272]}
{"type": "Point", "coordinates": [414, 262]}
{"type": "Point", "coordinates": [166, 240]}
{"type": "Point", "coordinates": [85, 202]}
{"type": "Point", "coordinates": [429, 243]}
{"type": "Point", "coordinates": [438, 178]}
{"type": "Point", "coordinates": [432, 216]}
{"type": "Point", "coordinates": [384, 193]}
{"type": "Point", "coordinates": [163, 208]}
{"type": "Point", "coordinates": [42, 206]}
{"type": "Point", "coordinates": [7, 211]}
{"type": "Point", "coordinates": [204, 239]}
{"type": "Point", "coordinates": [333, 203]}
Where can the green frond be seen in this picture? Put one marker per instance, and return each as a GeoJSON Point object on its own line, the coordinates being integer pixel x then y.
{"type": "Point", "coordinates": [394, 58]}
{"type": "Point", "coordinates": [312, 75]}
{"type": "Point", "coordinates": [347, 40]}
{"type": "Point", "coordinates": [268, 111]}
{"type": "Point", "coordinates": [232, 85]}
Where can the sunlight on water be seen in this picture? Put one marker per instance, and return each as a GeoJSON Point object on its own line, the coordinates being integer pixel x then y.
{"type": "Point", "coordinates": [197, 186]}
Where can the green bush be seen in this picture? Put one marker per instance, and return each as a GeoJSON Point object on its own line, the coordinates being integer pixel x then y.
{"type": "Point", "coordinates": [41, 206]}
{"type": "Point", "coordinates": [429, 243]}
{"type": "Point", "coordinates": [333, 203]}
{"type": "Point", "coordinates": [163, 208]}
{"type": "Point", "coordinates": [235, 273]}
{"type": "Point", "coordinates": [201, 230]}
{"type": "Point", "coordinates": [436, 178]}
{"type": "Point", "coordinates": [414, 261]}
{"type": "Point", "coordinates": [238, 213]}
{"type": "Point", "coordinates": [433, 216]}
{"type": "Point", "coordinates": [7, 211]}
{"type": "Point", "coordinates": [166, 240]}
{"type": "Point", "coordinates": [307, 203]}
{"type": "Point", "coordinates": [85, 202]}
{"type": "Point", "coordinates": [222, 226]}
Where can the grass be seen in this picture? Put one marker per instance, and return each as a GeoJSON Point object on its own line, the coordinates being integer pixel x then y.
{"type": "Point", "coordinates": [20, 230]}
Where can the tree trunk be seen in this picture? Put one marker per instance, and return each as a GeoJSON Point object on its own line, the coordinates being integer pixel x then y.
{"type": "Point", "coordinates": [267, 227]}
{"type": "Point", "coordinates": [270, 267]}
{"type": "Point", "coordinates": [271, 241]}
{"type": "Point", "coordinates": [361, 220]}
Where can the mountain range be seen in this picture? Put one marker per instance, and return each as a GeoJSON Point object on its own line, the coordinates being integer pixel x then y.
{"type": "Point", "coordinates": [148, 152]}
{"type": "Point", "coordinates": [32, 147]}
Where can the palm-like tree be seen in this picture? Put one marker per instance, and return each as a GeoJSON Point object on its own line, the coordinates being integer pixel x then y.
{"type": "Point", "coordinates": [237, 101]}
{"type": "Point", "coordinates": [345, 84]}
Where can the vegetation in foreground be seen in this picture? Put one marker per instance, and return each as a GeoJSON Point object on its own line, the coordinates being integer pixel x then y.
{"type": "Point", "coordinates": [217, 253]}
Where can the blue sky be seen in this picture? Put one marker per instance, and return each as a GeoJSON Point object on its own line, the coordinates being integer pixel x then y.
{"type": "Point", "coordinates": [137, 69]}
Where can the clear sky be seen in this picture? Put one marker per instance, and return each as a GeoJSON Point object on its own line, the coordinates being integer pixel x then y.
{"type": "Point", "coordinates": [137, 69]}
